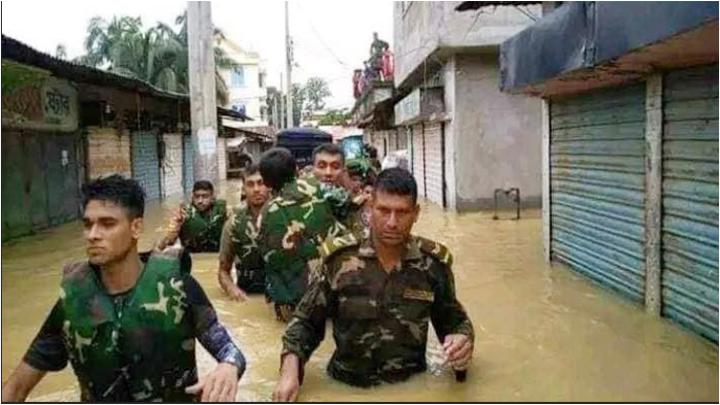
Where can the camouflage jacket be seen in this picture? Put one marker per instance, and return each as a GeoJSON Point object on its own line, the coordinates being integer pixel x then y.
{"type": "Point", "coordinates": [380, 319]}
{"type": "Point", "coordinates": [249, 264]}
{"type": "Point", "coordinates": [201, 231]}
{"type": "Point", "coordinates": [292, 226]}
{"type": "Point", "coordinates": [152, 326]}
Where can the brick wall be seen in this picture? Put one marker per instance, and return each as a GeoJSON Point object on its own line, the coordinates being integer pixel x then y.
{"type": "Point", "coordinates": [172, 170]}
{"type": "Point", "coordinates": [108, 152]}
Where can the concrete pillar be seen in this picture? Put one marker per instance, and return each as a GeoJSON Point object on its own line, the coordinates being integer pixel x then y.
{"type": "Point", "coordinates": [545, 122]}
{"type": "Point", "coordinates": [653, 192]}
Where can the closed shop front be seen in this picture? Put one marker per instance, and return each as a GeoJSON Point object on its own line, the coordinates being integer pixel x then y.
{"type": "Point", "coordinates": [172, 165]}
{"type": "Point", "coordinates": [418, 158]}
{"type": "Point", "coordinates": [434, 162]}
{"type": "Point", "coordinates": [689, 237]}
{"type": "Point", "coordinates": [597, 183]}
{"type": "Point", "coordinates": [40, 181]}
{"type": "Point", "coordinates": [145, 163]}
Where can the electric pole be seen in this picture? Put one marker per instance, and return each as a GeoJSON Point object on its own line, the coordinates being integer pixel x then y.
{"type": "Point", "coordinates": [289, 60]}
{"type": "Point", "coordinates": [282, 105]}
{"type": "Point", "coordinates": [203, 107]}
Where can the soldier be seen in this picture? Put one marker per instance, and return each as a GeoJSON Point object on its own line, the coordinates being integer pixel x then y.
{"type": "Point", "coordinates": [362, 178]}
{"type": "Point", "coordinates": [239, 241]}
{"type": "Point", "coordinates": [292, 226]}
{"type": "Point", "coordinates": [127, 322]}
{"type": "Point", "coordinates": [199, 225]}
{"type": "Point", "coordinates": [335, 184]}
{"type": "Point", "coordinates": [380, 292]}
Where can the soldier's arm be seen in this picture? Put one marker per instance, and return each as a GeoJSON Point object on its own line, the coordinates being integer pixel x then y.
{"type": "Point", "coordinates": [306, 329]}
{"type": "Point", "coordinates": [173, 229]}
{"type": "Point", "coordinates": [211, 334]}
{"type": "Point", "coordinates": [46, 353]}
{"type": "Point", "coordinates": [448, 315]}
{"type": "Point", "coordinates": [225, 265]}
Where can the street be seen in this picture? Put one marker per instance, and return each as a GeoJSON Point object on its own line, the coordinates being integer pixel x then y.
{"type": "Point", "coordinates": [544, 333]}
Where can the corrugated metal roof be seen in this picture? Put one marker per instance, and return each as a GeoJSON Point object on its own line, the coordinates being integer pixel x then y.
{"type": "Point", "coordinates": [17, 51]}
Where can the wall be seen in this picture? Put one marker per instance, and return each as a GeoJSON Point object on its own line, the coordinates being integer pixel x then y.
{"type": "Point", "coordinates": [497, 136]}
{"type": "Point", "coordinates": [108, 152]}
{"type": "Point", "coordinates": [172, 170]}
{"type": "Point", "coordinates": [425, 26]}
{"type": "Point", "coordinates": [222, 158]}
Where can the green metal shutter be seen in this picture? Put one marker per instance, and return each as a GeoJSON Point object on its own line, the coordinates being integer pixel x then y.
{"type": "Point", "coordinates": [145, 163]}
{"type": "Point", "coordinates": [690, 199]}
{"type": "Point", "coordinates": [597, 182]}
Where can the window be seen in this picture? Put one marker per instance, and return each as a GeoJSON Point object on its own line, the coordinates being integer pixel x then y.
{"type": "Point", "coordinates": [238, 77]}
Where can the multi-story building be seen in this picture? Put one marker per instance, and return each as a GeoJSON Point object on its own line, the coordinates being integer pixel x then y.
{"type": "Point", "coordinates": [465, 138]}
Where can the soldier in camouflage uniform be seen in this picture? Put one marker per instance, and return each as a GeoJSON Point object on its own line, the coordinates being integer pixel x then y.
{"type": "Point", "coordinates": [198, 225]}
{"type": "Point", "coordinates": [128, 322]}
{"type": "Point", "coordinates": [380, 292]}
{"type": "Point", "coordinates": [293, 224]}
{"type": "Point", "coordinates": [239, 241]}
{"type": "Point", "coordinates": [362, 178]}
{"type": "Point", "coordinates": [329, 170]}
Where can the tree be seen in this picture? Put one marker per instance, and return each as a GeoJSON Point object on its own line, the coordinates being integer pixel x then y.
{"type": "Point", "coordinates": [299, 96]}
{"type": "Point", "coordinates": [336, 117]}
{"type": "Point", "coordinates": [316, 89]}
{"type": "Point", "coordinates": [60, 52]}
{"type": "Point", "coordinates": [157, 55]}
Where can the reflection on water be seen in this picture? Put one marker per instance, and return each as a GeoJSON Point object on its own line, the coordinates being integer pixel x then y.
{"type": "Point", "coordinates": [543, 332]}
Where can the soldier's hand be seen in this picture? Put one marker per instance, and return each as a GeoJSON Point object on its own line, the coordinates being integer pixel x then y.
{"type": "Point", "coordinates": [288, 387]}
{"type": "Point", "coordinates": [458, 349]}
{"type": "Point", "coordinates": [237, 294]}
{"type": "Point", "coordinates": [218, 386]}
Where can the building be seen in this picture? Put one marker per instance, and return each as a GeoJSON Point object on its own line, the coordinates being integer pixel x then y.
{"type": "Point", "coordinates": [465, 138]}
{"type": "Point", "coordinates": [63, 124]}
{"type": "Point", "coordinates": [630, 147]}
{"type": "Point", "coordinates": [246, 82]}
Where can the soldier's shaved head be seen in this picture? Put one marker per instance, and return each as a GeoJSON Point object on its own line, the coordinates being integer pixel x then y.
{"type": "Point", "coordinates": [277, 167]}
{"type": "Point", "coordinates": [397, 181]}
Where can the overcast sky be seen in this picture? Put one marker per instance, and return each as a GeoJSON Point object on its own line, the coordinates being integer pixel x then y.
{"type": "Point", "coordinates": [331, 37]}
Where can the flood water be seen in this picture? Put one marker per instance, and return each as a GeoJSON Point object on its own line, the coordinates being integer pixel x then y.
{"type": "Point", "coordinates": [543, 332]}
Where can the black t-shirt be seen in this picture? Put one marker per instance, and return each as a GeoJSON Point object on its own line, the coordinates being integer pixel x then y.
{"type": "Point", "coordinates": [47, 352]}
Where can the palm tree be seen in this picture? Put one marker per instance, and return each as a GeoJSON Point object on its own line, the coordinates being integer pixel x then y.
{"type": "Point", "coordinates": [158, 55]}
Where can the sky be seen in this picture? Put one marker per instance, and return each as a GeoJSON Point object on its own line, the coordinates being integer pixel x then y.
{"type": "Point", "coordinates": [331, 37]}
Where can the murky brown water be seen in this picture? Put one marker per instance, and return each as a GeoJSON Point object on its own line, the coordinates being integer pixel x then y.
{"type": "Point", "coordinates": [543, 333]}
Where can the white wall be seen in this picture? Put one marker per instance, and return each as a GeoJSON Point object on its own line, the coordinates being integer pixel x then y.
{"type": "Point", "coordinates": [172, 165]}
{"type": "Point", "coordinates": [498, 136]}
{"type": "Point", "coordinates": [426, 26]}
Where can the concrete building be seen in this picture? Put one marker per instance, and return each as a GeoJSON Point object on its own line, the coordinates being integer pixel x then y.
{"type": "Point", "coordinates": [464, 137]}
{"type": "Point", "coordinates": [246, 83]}
{"type": "Point", "coordinates": [630, 148]}
{"type": "Point", "coordinates": [64, 124]}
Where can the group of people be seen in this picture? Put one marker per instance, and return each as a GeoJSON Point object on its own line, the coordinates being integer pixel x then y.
{"type": "Point", "coordinates": [333, 243]}
{"type": "Point", "coordinates": [380, 66]}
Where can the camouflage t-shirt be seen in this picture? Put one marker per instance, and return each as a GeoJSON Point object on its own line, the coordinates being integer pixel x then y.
{"type": "Point", "coordinates": [239, 245]}
{"type": "Point", "coordinates": [292, 226]}
{"type": "Point", "coordinates": [380, 319]}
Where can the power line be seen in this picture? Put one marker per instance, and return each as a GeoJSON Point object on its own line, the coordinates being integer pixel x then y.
{"type": "Point", "coordinates": [322, 41]}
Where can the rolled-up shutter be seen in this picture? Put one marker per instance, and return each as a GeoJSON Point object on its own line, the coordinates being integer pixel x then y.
{"type": "Point", "coordinates": [690, 199]}
{"type": "Point", "coordinates": [597, 185]}
{"type": "Point", "coordinates": [145, 163]}
{"type": "Point", "coordinates": [418, 159]}
{"type": "Point", "coordinates": [433, 165]}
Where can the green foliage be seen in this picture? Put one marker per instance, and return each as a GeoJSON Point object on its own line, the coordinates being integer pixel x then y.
{"type": "Point", "coordinates": [157, 55]}
{"type": "Point", "coordinates": [17, 76]}
{"type": "Point", "coordinates": [316, 89]}
{"type": "Point", "coordinates": [336, 117]}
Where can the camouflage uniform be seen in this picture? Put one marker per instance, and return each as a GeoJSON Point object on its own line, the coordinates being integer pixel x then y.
{"type": "Point", "coordinates": [380, 319]}
{"type": "Point", "coordinates": [292, 226]}
{"type": "Point", "coordinates": [201, 231]}
{"type": "Point", "coordinates": [239, 244]}
{"type": "Point", "coordinates": [141, 349]}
